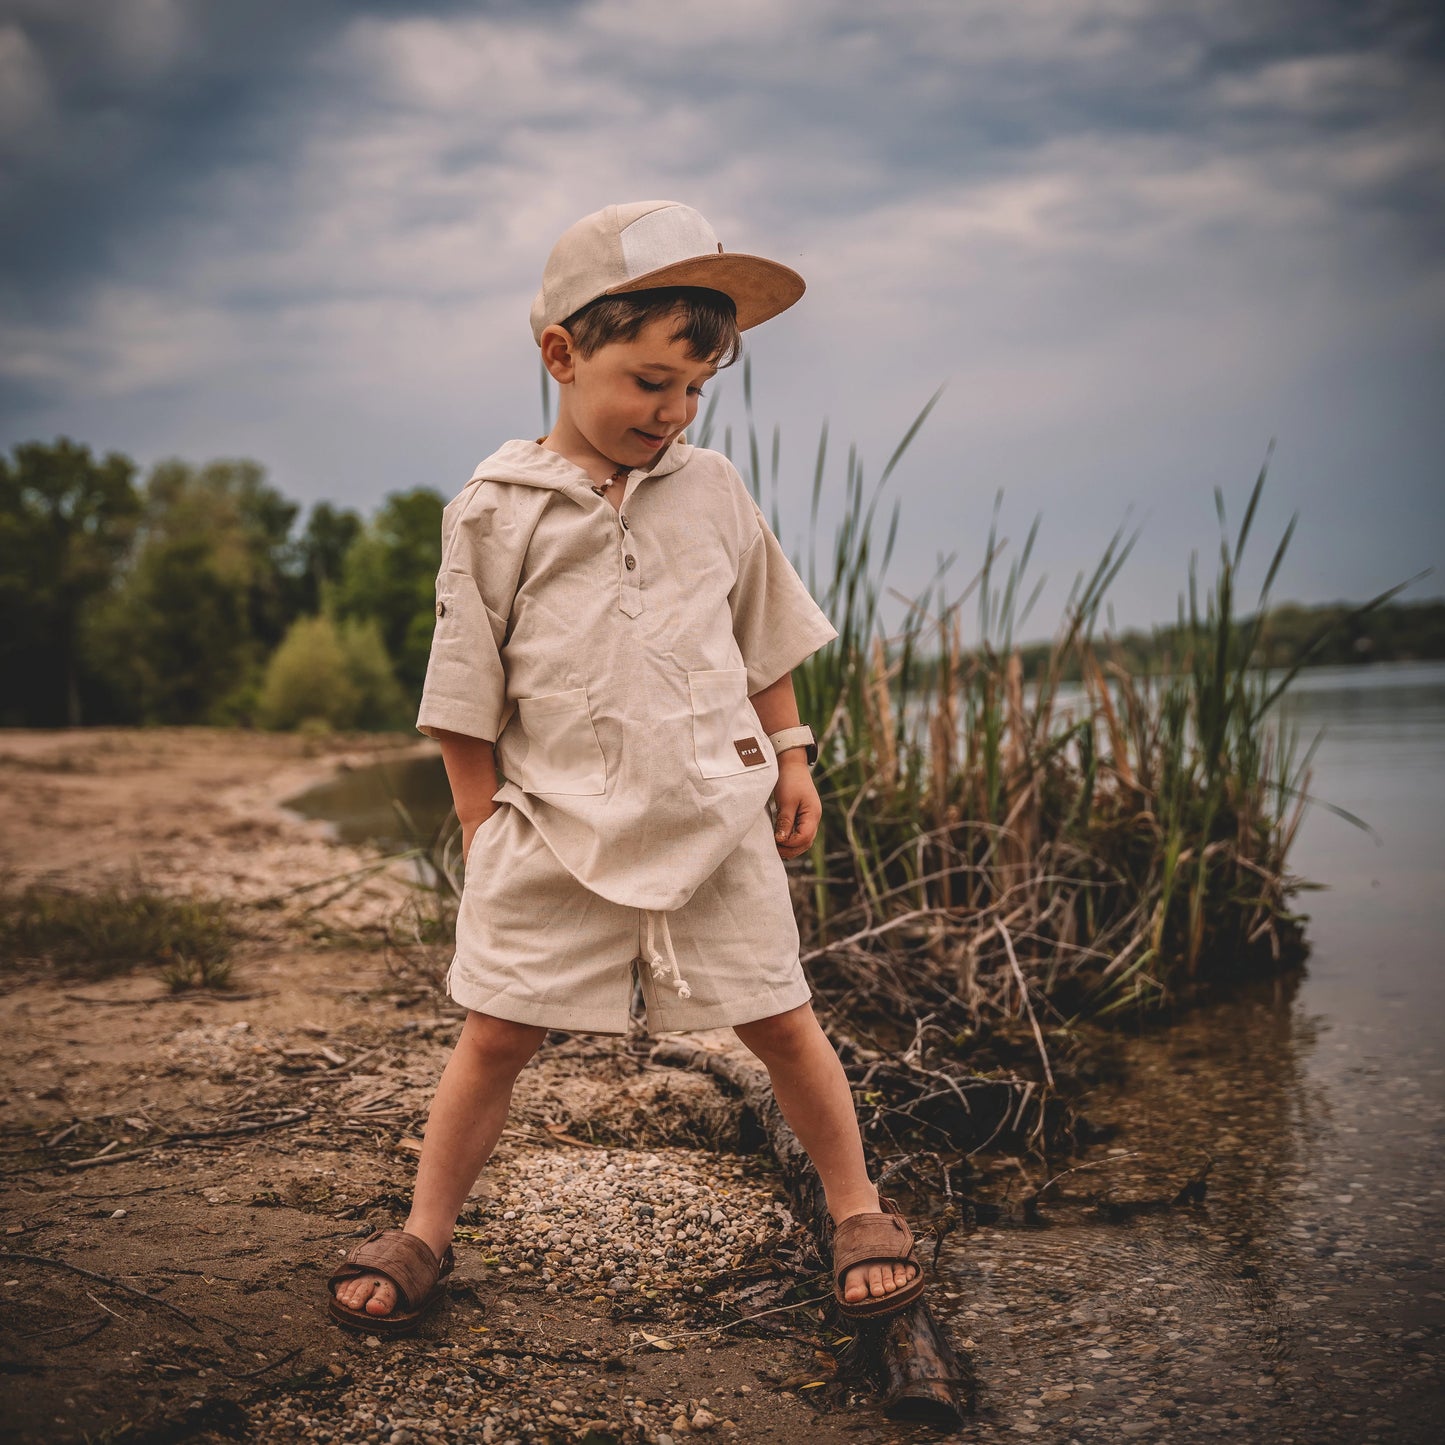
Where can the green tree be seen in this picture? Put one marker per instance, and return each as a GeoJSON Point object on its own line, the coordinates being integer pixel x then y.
{"type": "Point", "coordinates": [324, 673]}
{"type": "Point", "coordinates": [206, 598]}
{"type": "Point", "coordinates": [380, 701]}
{"type": "Point", "coordinates": [321, 553]}
{"type": "Point", "coordinates": [390, 575]}
{"type": "Point", "coordinates": [66, 523]}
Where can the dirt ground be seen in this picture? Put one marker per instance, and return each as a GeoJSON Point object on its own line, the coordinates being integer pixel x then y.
{"type": "Point", "coordinates": [181, 1171]}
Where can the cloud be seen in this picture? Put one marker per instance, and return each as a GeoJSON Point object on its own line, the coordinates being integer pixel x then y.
{"type": "Point", "coordinates": [1126, 230]}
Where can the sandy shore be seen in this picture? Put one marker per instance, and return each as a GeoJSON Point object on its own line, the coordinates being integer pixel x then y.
{"type": "Point", "coordinates": [206, 1157]}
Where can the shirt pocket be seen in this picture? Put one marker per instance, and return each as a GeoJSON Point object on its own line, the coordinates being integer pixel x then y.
{"type": "Point", "coordinates": [726, 737]}
{"type": "Point", "coordinates": [563, 754]}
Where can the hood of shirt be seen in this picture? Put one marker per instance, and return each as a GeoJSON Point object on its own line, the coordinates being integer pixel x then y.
{"type": "Point", "coordinates": [530, 464]}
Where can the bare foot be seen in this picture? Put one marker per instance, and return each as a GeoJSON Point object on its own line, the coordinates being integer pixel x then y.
{"type": "Point", "coordinates": [877, 1280]}
{"type": "Point", "coordinates": [372, 1293]}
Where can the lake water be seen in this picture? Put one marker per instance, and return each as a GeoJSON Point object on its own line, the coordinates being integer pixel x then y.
{"type": "Point", "coordinates": [396, 805]}
{"type": "Point", "coordinates": [1303, 1300]}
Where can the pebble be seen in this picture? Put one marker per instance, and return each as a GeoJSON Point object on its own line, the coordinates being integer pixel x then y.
{"type": "Point", "coordinates": [651, 1226]}
{"type": "Point", "coordinates": [608, 1219]}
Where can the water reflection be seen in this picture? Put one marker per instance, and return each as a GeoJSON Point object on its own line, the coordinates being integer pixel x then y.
{"type": "Point", "coordinates": [1302, 1301]}
{"type": "Point", "coordinates": [391, 804]}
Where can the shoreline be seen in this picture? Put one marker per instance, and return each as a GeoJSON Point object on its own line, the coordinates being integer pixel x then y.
{"type": "Point", "coordinates": [1093, 1292]}
{"type": "Point", "coordinates": [328, 1047]}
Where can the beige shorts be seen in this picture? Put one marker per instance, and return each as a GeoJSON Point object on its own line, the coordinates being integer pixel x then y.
{"type": "Point", "coordinates": [536, 947]}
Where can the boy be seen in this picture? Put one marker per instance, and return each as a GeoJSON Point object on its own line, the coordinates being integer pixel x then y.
{"type": "Point", "coordinates": [617, 627]}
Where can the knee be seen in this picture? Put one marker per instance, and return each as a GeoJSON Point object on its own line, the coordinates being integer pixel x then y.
{"type": "Point", "coordinates": [781, 1034]}
{"type": "Point", "coordinates": [501, 1043]}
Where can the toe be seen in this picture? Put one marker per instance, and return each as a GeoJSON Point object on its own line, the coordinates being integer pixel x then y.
{"type": "Point", "coordinates": [351, 1293]}
{"type": "Point", "coordinates": [383, 1299]}
{"type": "Point", "coordinates": [875, 1281]}
{"type": "Point", "coordinates": [369, 1293]}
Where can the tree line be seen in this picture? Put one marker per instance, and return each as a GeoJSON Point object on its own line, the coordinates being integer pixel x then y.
{"type": "Point", "coordinates": [199, 595]}
{"type": "Point", "coordinates": [1330, 634]}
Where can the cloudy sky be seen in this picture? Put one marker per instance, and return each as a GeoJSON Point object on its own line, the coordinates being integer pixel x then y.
{"type": "Point", "coordinates": [1134, 239]}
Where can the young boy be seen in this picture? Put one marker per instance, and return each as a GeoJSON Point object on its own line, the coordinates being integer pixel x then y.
{"type": "Point", "coordinates": [617, 627]}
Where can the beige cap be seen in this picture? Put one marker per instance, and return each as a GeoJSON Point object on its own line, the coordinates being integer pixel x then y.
{"type": "Point", "coordinates": [647, 244]}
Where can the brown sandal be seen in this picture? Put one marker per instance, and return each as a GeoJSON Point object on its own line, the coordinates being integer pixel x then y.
{"type": "Point", "coordinates": [407, 1262]}
{"type": "Point", "coordinates": [882, 1238]}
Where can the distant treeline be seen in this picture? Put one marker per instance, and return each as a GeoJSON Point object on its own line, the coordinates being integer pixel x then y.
{"type": "Point", "coordinates": [200, 595]}
{"type": "Point", "coordinates": [1331, 634]}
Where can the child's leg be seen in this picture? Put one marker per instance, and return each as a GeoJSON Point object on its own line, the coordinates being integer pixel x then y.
{"type": "Point", "coordinates": [812, 1091]}
{"type": "Point", "coordinates": [462, 1129]}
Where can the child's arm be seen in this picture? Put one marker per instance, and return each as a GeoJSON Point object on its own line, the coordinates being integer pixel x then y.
{"type": "Point", "coordinates": [799, 811]}
{"type": "Point", "coordinates": [471, 765]}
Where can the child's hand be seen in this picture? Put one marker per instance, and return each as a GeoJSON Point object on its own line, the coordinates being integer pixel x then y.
{"type": "Point", "coordinates": [799, 810]}
{"type": "Point", "coordinates": [469, 831]}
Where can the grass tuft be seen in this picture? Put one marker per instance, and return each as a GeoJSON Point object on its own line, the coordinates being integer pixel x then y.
{"type": "Point", "coordinates": [98, 935]}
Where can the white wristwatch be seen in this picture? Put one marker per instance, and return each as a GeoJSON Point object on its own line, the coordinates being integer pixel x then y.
{"type": "Point", "coordinates": [798, 737]}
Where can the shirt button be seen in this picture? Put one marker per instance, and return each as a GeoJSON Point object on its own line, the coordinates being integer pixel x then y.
{"type": "Point", "coordinates": [441, 609]}
{"type": "Point", "coordinates": [630, 561]}
{"type": "Point", "coordinates": [625, 523]}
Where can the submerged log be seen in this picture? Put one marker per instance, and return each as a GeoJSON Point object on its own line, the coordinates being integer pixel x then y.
{"type": "Point", "coordinates": [923, 1379]}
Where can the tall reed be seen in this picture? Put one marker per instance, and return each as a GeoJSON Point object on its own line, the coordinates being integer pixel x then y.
{"type": "Point", "coordinates": [1004, 854]}
{"type": "Point", "coordinates": [1001, 852]}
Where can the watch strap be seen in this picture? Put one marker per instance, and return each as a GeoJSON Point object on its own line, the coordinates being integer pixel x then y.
{"type": "Point", "coordinates": [798, 737]}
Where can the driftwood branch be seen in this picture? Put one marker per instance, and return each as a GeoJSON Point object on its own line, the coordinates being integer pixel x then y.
{"type": "Point", "coordinates": [102, 1278]}
{"type": "Point", "coordinates": [923, 1378]}
{"type": "Point", "coordinates": [192, 1139]}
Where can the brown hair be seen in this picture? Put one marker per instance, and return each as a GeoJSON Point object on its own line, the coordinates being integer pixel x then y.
{"type": "Point", "coordinates": [706, 320]}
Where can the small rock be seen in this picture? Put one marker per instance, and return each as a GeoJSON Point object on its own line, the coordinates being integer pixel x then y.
{"type": "Point", "coordinates": [119, 1214]}
{"type": "Point", "coordinates": [703, 1419]}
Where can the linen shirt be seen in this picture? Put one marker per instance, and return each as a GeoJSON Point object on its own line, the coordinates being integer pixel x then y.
{"type": "Point", "coordinates": [610, 654]}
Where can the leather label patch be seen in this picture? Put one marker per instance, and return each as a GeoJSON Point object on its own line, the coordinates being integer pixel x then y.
{"type": "Point", "coordinates": [749, 752]}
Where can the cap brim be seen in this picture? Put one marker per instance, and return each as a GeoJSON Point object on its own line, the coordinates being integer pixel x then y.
{"type": "Point", "coordinates": [759, 288]}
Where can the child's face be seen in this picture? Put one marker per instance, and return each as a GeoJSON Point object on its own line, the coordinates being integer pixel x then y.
{"type": "Point", "coordinates": [629, 399]}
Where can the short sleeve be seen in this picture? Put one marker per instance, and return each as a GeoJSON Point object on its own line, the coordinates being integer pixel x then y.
{"type": "Point", "coordinates": [466, 685]}
{"type": "Point", "coordinates": [775, 621]}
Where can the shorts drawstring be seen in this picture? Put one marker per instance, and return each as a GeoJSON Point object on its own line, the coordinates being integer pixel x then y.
{"type": "Point", "coordinates": [658, 962]}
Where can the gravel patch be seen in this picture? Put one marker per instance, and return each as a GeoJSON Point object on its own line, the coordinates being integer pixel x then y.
{"type": "Point", "coordinates": [614, 1221]}
{"type": "Point", "coordinates": [637, 1236]}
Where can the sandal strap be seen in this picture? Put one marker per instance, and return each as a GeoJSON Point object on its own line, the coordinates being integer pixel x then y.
{"type": "Point", "coordinates": [403, 1259]}
{"type": "Point", "coordinates": [881, 1238]}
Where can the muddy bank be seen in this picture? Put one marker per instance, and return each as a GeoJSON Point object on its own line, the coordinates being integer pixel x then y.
{"type": "Point", "coordinates": [1295, 1294]}
{"type": "Point", "coordinates": [180, 1171]}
